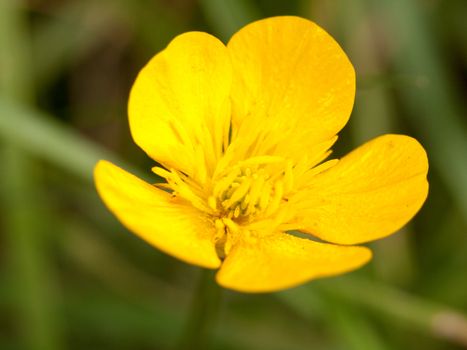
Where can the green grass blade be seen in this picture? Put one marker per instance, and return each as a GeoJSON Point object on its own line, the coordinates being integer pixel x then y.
{"type": "Point", "coordinates": [432, 101]}
{"type": "Point", "coordinates": [31, 269]}
{"type": "Point", "coordinates": [26, 216]}
{"type": "Point", "coordinates": [44, 137]}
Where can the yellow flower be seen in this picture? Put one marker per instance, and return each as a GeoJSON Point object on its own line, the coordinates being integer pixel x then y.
{"type": "Point", "coordinates": [242, 133]}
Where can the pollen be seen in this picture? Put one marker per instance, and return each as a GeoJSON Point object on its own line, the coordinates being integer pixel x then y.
{"type": "Point", "coordinates": [244, 201]}
{"type": "Point", "coordinates": [250, 191]}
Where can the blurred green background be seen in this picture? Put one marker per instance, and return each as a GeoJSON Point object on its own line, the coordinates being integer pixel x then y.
{"type": "Point", "coordinates": [71, 277]}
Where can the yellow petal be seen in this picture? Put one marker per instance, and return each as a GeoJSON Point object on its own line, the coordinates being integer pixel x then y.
{"type": "Point", "coordinates": [282, 261]}
{"type": "Point", "coordinates": [156, 217]}
{"type": "Point", "coordinates": [293, 87]}
{"type": "Point", "coordinates": [371, 193]}
{"type": "Point", "coordinates": [179, 108]}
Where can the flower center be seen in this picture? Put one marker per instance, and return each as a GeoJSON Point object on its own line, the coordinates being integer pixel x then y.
{"type": "Point", "coordinates": [248, 200]}
{"type": "Point", "coordinates": [246, 194]}
{"type": "Point", "coordinates": [245, 200]}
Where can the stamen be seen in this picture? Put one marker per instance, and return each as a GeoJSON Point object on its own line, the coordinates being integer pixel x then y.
{"type": "Point", "coordinates": [247, 199]}
{"type": "Point", "coordinates": [288, 177]}
{"type": "Point", "coordinates": [265, 196]}
{"type": "Point", "coordinates": [252, 190]}
{"type": "Point", "coordinates": [226, 235]}
{"type": "Point", "coordinates": [255, 194]}
{"type": "Point", "coordinates": [212, 202]}
{"type": "Point", "coordinates": [276, 198]}
{"type": "Point", "coordinates": [239, 193]}
{"type": "Point", "coordinates": [223, 184]}
{"type": "Point", "coordinates": [184, 188]}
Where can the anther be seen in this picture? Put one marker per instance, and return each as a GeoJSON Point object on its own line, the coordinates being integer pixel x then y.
{"type": "Point", "coordinates": [212, 202]}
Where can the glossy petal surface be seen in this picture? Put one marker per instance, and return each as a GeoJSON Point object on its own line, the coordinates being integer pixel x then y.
{"type": "Point", "coordinates": [159, 219]}
{"type": "Point", "coordinates": [282, 261]}
{"type": "Point", "coordinates": [179, 108]}
{"type": "Point", "coordinates": [371, 192]}
{"type": "Point", "coordinates": [293, 87]}
{"type": "Point", "coordinates": [241, 132]}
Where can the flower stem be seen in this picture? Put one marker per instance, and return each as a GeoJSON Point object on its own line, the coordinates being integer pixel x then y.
{"type": "Point", "coordinates": [203, 313]}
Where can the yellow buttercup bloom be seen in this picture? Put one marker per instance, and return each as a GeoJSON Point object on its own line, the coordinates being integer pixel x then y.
{"type": "Point", "coordinates": [241, 133]}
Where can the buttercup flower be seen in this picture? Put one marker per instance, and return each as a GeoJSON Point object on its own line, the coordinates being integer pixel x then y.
{"type": "Point", "coordinates": [242, 133]}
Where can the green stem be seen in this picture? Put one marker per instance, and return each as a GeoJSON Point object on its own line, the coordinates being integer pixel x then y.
{"type": "Point", "coordinates": [203, 313]}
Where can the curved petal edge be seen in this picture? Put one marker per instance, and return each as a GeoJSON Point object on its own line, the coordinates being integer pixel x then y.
{"type": "Point", "coordinates": [156, 217]}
